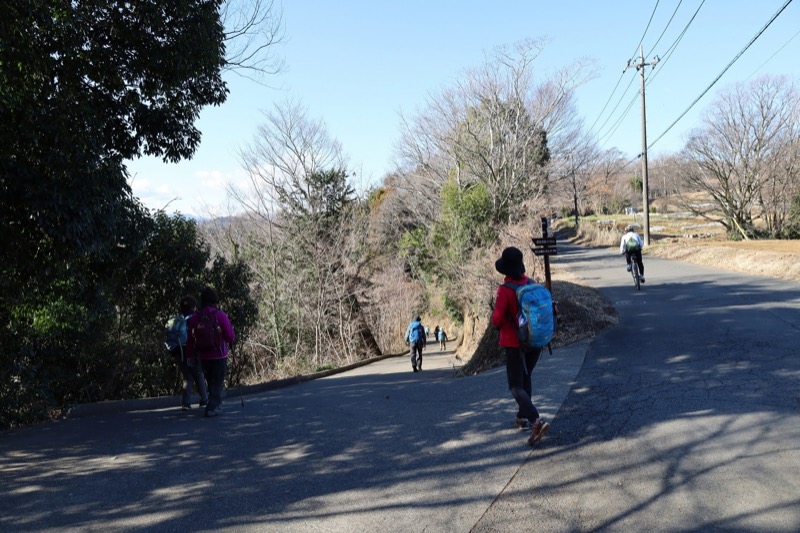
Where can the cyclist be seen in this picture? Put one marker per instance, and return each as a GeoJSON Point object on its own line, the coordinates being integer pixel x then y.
{"type": "Point", "coordinates": [631, 245]}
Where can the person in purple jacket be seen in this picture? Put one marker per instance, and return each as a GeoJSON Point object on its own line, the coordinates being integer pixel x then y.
{"type": "Point", "coordinates": [210, 336]}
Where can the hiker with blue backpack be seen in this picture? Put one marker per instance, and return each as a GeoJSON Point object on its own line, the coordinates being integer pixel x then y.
{"type": "Point", "coordinates": [176, 339]}
{"type": "Point", "coordinates": [442, 340]}
{"type": "Point", "coordinates": [209, 339]}
{"type": "Point", "coordinates": [523, 312]}
{"type": "Point", "coordinates": [415, 337]}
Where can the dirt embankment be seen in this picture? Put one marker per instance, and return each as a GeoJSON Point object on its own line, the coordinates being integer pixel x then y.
{"type": "Point", "coordinates": [777, 259]}
{"type": "Point", "coordinates": [582, 313]}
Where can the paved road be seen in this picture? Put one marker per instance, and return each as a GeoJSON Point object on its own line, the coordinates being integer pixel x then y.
{"type": "Point", "coordinates": [378, 448]}
{"type": "Point", "coordinates": [682, 418]}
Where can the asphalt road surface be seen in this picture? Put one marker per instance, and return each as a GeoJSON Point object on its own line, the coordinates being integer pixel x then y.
{"type": "Point", "coordinates": [684, 417]}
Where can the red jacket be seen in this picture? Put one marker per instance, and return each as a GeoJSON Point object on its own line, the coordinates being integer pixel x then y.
{"type": "Point", "coordinates": [505, 313]}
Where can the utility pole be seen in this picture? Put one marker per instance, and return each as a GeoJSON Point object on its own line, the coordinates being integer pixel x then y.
{"type": "Point", "coordinates": [645, 188]}
{"type": "Point", "coordinates": [574, 188]}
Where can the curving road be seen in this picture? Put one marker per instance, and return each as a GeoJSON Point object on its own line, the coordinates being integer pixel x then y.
{"type": "Point", "coordinates": [684, 417]}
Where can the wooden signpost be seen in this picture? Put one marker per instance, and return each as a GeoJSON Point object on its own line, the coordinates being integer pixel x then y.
{"type": "Point", "coordinates": [546, 246]}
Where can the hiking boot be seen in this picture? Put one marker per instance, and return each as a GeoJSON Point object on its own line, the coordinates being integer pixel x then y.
{"type": "Point", "coordinates": [539, 430]}
{"type": "Point", "coordinates": [522, 423]}
{"type": "Point", "coordinates": [415, 368]}
{"type": "Point", "coordinates": [214, 412]}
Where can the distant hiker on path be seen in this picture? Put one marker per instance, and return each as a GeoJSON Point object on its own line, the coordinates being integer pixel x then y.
{"type": "Point", "coordinates": [442, 340]}
{"type": "Point", "coordinates": [210, 335]}
{"type": "Point", "coordinates": [189, 366]}
{"type": "Point", "coordinates": [415, 337]}
{"type": "Point", "coordinates": [436, 333]}
{"type": "Point", "coordinates": [519, 363]}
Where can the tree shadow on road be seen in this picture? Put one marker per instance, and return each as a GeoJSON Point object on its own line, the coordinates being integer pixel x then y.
{"type": "Point", "coordinates": [322, 452]}
{"type": "Point", "coordinates": [686, 413]}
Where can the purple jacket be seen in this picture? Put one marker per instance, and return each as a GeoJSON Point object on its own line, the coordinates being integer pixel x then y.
{"type": "Point", "coordinates": [226, 329]}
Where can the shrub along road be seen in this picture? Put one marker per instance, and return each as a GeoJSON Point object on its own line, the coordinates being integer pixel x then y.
{"type": "Point", "coordinates": [682, 417]}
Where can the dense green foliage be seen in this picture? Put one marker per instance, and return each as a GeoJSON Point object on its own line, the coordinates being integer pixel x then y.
{"type": "Point", "coordinates": [87, 275]}
{"type": "Point", "coordinates": [95, 331]}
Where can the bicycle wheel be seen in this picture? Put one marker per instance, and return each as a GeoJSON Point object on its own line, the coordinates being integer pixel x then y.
{"type": "Point", "coordinates": [635, 274]}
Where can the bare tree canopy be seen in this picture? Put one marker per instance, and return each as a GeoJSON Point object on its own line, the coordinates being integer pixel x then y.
{"type": "Point", "coordinates": [288, 148]}
{"type": "Point", "coordinates": [306, 241]}
{"type": "Point", "coordinates": [746, 156]}
{"type": "Point", "coordinates": [252, 29]}
{"type": "Point", "coordinates": [495, 127]}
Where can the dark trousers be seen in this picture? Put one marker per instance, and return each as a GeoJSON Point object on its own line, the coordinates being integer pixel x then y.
{"type": "Point", "coordinates": [214, 369]}
{"type": "Point", "coordinates": [416, 354]}
{"type": "Point", "coordinates": [519, 366]}
{"type": "Point", "coordinates": [637, 255]}
{"type": "Point", "coordinates": [192, 374]}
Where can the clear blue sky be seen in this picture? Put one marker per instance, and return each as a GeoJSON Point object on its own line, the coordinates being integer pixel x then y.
{"type": "Point", "coordinates": [356, 64]}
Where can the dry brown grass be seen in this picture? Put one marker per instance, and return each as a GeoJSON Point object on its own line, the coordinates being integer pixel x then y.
{"type": "Point", "coordinates": [777, 259]}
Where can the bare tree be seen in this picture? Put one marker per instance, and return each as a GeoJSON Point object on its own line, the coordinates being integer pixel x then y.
{"type": "Point", "coordinates": [745, 157]}
{"type": "Point", "coordinates": [495, 127]}
{"type": "Point", "coordinates": [309, 242]}
{"type": "Point", "coordinates": [665, 175]}
{"type": "Point", "coordinates": [572, 171]}
{"type": "Point", "coordinates": [252, 29]}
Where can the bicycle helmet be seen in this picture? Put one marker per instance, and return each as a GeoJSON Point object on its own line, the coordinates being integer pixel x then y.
{"type": "Point", "coordinates": [630, 227]}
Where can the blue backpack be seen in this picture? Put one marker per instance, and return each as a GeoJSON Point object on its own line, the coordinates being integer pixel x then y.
{"type": "Point", "coordinates": [175, 332]}
{"type": "Point", "coordinates": [536, 322]}
{"type": "Point", "coordinates": [417, 334]}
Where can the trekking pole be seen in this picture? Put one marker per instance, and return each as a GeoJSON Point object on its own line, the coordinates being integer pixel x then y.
{"type": "Point", "coordinates": [241, 394]}
{"type": "Point", "coordinates": [239, 375]}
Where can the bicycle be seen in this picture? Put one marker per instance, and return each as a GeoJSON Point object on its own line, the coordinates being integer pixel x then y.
{"type": "Point", "coordinates": [635, 274]}
{"type": "Point", "coordinates": [637, 281]}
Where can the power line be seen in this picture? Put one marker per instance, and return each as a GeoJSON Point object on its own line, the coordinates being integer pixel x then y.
{"type": "Point", "coordinates": [675, 43]}
{"type": "Point", "coordinates": [647, 27]}
{"type": "Point", "coordinates": [767, 25]}
{"type": "Point", "coordinates": [621, 97]}
{"type": "Point", "coordinates": [614, 127]}
{"type": "Point", "coordinates": [665, 28]}
{"type": "Point", "coordinates": [773, 55]}
{"type": "Point", "coordinates": [603, 138]}
{"type": "Point", "coordinates": [608, 101]}
{"type": "Point", "coordinates": [618, 123]}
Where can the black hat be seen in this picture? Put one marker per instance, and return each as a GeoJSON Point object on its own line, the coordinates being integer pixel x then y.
{"type": "Point", "coordinates": [510, 263]}
{"type": "Point", "coordinates": [208, 297]}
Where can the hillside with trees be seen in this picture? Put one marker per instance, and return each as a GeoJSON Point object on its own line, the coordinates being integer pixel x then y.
{"type": "Point", "coordinates": [314, 273]}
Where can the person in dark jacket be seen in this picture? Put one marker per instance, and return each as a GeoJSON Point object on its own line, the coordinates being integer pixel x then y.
{"type": "Point", "coordinates": [188, 364]}
{"type": "Point", "coordinates": [211, 347]}
{"type": "Point", "coordinates": [519, 363]}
